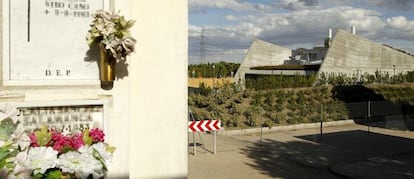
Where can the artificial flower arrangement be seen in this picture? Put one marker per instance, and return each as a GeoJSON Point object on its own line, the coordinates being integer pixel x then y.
{"type": "Point", "coordinates": [111, 31]}
{"type": "Point", "coordinates": [47, 153]}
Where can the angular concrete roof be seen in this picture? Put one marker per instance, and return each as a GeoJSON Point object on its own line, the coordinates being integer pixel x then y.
{"type": "Point", "coordinates": [351, 53]}
{"type": "Point", "coordinates": [261, 53]}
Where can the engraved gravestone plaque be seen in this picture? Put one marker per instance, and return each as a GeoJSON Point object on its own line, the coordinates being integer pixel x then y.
{"type": "Point", "coordinates": [44, 42]}
{"type": "Point", "coordinates": [64, 119]}
{"type": "Point", "coordinates": [63, 116]}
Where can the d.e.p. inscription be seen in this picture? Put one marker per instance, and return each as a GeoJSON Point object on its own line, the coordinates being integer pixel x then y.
{"type": "Point", "coordinates": [44, 41]}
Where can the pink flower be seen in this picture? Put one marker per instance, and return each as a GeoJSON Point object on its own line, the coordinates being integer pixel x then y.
{"type": "Point", "coordinates": [33, 140]}
{"type": "Point", "coordinates": [60, 141]}
{"type": "Point", "coordinates": [97, 135]}
{"type": "Point", "coordinates": [76, 141]}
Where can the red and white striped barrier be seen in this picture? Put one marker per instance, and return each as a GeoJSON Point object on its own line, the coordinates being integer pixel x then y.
{"type": "Point", "coordinates": [204, 125]}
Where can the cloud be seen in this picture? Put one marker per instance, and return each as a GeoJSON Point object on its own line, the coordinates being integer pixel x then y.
{"type": "Point", "coordinates": [235, 5]}
{"type": "Point", "coordinates": [194, 31]}
{"type": "Point", "coordinates": [200, 6]}
{"type": "Point", "coordinates": [217, 55]}
{"type": "Point", "coordinates": [404, 5]}
{"type": "Point", "coordinates": [306, 26]}
{"type": "Point", "coordinates": [400, 22]}
{"type": "Point", "coordinates": [400, 27]}
{"type": "Point", "coordinates": [310, 2]}
{"type": "Point", "coordinates": [298, 28]}
{"type": "Point", "coordinates": [215, 44]}
{"type": "Point", "coordinates": [298, 4]}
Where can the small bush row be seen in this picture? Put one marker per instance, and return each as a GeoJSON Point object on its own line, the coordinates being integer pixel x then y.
{"type": "Point", "coordinates": [251, 108]}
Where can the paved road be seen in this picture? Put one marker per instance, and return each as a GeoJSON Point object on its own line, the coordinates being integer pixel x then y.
{"type": "Point", "coordinates": [342, 152]}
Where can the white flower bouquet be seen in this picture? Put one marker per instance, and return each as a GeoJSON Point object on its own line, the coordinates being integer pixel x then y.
{"type": "Point", "coordinates": [50, 154]}
{"type": "Point", "coordinates": [111, 31]}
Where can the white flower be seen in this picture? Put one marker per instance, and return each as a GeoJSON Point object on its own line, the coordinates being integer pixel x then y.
{"type": "Point", "coordinates": [21, 137]}
{"type": "Point", "coordinates": [41, 159]}
{"type": "Point", "coordinates": [114, 45]}
{"type": "Point", "coordinates": [9, 111]}
{"type": "Point", "coordinates": [21, 162]}
{"type": "Point", "coordinates": [128, 43]}
{"type": "Point", "coordinates": [86, 150]}
{"type": "Point", "coordinates": [104, 154]}
{"type": "Point", "coordinates": [105, 27]}
{"type": "Point", "coordinates": [103, 14]}
{"type": "Point", "coordinates": [112, 31]}
{"type": "Point", "coordinates": [81, 164]}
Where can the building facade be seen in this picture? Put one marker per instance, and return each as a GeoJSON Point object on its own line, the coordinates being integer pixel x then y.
{"type": "Point", "coordinates": [347, 53]}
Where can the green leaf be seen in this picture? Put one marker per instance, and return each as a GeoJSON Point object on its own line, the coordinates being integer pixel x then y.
{"type": "Point", "coordinates": [122, 22]}
{"type": "Point", "coordinates": [38, 176]}
{"type": "Point", "coordinates": [86, 138]}
{"type": "Point", "coordinates": [7, 162]}
{"type": "Point", "coordinates": [43, 136]}
{"type": "Point", "coordinates": [3, 163]}
{"type": "Point", "coordinates": [54, 174]}
{"type": "Point", "coordinates": [109, 148]}
{"type": "Point", "coordinates": [4, 151]}
{"type": "Point", "coordinates": [125, 33]}
{"type": "Point", "coordinates": [7, 128]}
{"type": "Point", "coordinates": [5, 147]}
{"type": "Point", "coordinates": [129, 24]}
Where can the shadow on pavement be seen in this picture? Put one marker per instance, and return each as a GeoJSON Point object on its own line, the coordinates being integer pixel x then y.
{"type": "Point", "coordinates": [290, 160]}
{"type": "Point", "coordinates": [402, 122]}
{"type": "Point", "coordinates": [358, 144]}
{"type": "Point", "coordinates": [367, 107]}
{"type": "Point", "coordinates": [349, 154]}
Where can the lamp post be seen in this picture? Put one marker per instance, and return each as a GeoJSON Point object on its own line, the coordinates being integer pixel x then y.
{"type": "Point", "coordinates": [214, 66]}
{"type": "Point", "coordinates": [393, 77]}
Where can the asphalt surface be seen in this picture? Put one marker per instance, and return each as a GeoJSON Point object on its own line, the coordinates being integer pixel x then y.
{"type": "Point", "coordinates": [350, 151]}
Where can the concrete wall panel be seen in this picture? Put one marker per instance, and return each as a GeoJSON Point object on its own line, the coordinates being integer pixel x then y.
{"type": "Point", "coordinates": [261, 53]}
{"type": "Point", "coordinates": [350, 53]}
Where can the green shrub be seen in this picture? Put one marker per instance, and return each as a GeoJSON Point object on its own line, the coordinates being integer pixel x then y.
{"type": "Point", "coordinates": [279, 81]}
{"type": "Point", "coordinates": [234, 110]}
{"type": "Point", "coordinates": [206, 70]}
{"type": "Point", "coordinates": [294, 120]}
{"type": "Point", "coordinates": [234, 121]}
{"type": "Point", "coordinates": [267, 123]}
{"type": "Point", "coordinates": [251, 121]}
{"type": "Point", "coordinates": [213, 108]}
{"type": "Point", "coordinates": [220, 98]}
{"type": "Point", "coordinates": [276, 117]}
{"type": "Point", "coordinates": [237, 100]}
{"type": "Point", "coordinates": [278, 106]}
{"type": "Point", "coordinates": [410, 76]}
{"type": "Point", "coordinates": [314, 118]}
{"type": "Point", "coordinates": [246, 93]}
{"type": "Point", "coordinates": [199, 101]}
{"type": "Point", "coordinates": [205, 91]}
{"type": "Point", "coordinates": [379, 77]}
{"type": "Point", "coordinates": [269, 98]}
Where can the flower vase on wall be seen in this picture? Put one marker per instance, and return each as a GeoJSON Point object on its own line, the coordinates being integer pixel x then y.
{"type": "Point", "coordinates": [106, 66]}
{"type": "Point", "coordinates": [111, 31]}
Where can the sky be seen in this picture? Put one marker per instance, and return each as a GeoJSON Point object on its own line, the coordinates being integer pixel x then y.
{"type": "Point", "coordinates": [223, 30]}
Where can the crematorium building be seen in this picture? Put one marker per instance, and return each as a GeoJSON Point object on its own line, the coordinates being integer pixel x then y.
{"type": "Point", "coordinates": [346, 53]}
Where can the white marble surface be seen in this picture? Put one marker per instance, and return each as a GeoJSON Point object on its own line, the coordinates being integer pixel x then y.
{"type": "Point", "coordinates": [44, 42]}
